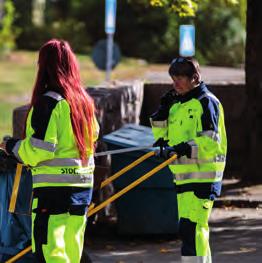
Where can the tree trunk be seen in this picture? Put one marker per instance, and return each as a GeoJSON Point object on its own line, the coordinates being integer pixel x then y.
{"type": "Point", "coordinates": [253, 125]}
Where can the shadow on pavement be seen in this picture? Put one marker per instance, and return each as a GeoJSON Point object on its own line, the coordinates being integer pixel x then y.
{"type": "Point", "coordinates": [237, 238]}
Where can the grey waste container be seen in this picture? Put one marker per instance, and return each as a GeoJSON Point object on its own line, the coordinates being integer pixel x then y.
{"type": "Point", "coordinates": [151, 207]}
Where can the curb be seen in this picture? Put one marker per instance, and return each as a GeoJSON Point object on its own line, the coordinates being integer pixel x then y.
{"type": "Point", "coordinates": [240, 203]}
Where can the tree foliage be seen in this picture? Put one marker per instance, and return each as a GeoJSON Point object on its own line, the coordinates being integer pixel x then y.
{"type": "Point", "coordinates": [220, 25]}
{"type": "Point", "coordinates": [220, 34]}
{"type": "Point", "coordinates": [185, 7]}
{"type": "Point", "coordinates": [7, 30]}
{"type": "Point", "coordinates": [148, 29]}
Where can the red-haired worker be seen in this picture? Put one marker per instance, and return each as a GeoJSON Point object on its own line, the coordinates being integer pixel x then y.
{"type": "Point", "coordinates": [61, 129]}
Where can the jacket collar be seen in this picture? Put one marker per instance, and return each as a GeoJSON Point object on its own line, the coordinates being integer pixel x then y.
{"type": "Point", "coordinates": [193, 94]}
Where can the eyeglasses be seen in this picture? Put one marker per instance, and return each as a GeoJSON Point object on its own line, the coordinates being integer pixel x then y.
{"type": "Point", "coordinates": [181, 60]}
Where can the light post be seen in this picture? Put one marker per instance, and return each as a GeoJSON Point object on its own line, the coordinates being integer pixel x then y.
{"type": "Point", "coordinates": [110, 24]}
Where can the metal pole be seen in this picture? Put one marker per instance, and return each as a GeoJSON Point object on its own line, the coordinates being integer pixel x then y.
{"type": "Point", "coordinates": [125, 150]}
{"type": "Point", "coordinates": [109, 55]}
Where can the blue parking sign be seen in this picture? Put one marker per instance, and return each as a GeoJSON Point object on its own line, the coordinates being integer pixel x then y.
{"type": "Point", "coordinates": [110, 19]}
{"type": "Point", "coordinates": [187, 40]}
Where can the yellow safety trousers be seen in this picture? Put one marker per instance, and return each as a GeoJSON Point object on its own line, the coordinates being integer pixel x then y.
{"type": "Point", "coordinates": [64, 237]}
{"type": "Point", "coordinates": [197, 211]}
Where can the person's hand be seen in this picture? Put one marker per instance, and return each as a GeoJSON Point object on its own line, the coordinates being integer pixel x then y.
{"type": "Point", "coordinates": [3, 143]}
{"type": "Point", "coordinates": [168, 98]}
{"type": "Point", "coordinates": [166, 101]}
{"type": "Point", "coordinates": [168, 152]}
{"type": "Point", "coordinates": [160, 143]}
{"type": "Point", "coordinates": [181, 149]}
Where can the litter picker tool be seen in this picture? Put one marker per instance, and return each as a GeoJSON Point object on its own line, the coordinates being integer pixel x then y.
{"type": "Point", "coordinates": [95, 209]}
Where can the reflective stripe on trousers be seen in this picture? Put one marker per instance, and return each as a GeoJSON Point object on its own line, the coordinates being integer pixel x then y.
{"type": "Point", "coordinates": [196, 259]}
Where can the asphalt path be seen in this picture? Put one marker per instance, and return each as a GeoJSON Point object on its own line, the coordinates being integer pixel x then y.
{"type": "Point", "coordinates": [236, 236]}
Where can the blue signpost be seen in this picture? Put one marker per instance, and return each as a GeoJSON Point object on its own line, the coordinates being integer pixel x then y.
{"type": "Point", "coordinates": [187, 40]}
{"type": "Point", "coordinates": [110, 26]}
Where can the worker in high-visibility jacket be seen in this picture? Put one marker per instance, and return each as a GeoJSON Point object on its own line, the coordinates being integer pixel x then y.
{"type": "Point", "coordinates": [190, 123]}
{"type": "Point", "coordinates": [60, 133]}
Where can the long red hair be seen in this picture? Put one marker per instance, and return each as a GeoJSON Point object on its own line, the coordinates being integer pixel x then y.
{"type": "Point", "coordinates": [58, 69]}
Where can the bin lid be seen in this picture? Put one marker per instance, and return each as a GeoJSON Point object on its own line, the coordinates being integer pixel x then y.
{"type": "Point", "coordinates": [131, 135]}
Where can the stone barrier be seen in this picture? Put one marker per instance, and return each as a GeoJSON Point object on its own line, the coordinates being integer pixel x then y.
{"type": "Point", "coordinates": [134, 102]}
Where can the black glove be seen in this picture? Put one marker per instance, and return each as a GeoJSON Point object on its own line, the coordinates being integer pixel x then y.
{"type": "Point", "coordinates": [9, 143]}
{"type": "Point", "coordinates": [166, 101]}
{"type": "Point", "coordinates": [181, 149]}
{"type": "Point", "coordinates": [160, 143]}
{"type": "Point", "coordinates": [3, 153]}
{"type": "Point", "coordinates": [168, 98]}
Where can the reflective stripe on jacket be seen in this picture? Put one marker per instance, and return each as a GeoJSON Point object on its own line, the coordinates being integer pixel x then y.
{"type": "Point", "coordinates": [50, 147]}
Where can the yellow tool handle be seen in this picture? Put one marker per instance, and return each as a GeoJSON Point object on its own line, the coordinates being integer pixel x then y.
{"type": "Point", "coordinates": [19, 255]}
{"type": "Point", "coordinates": [125, 169]}
{"type": "Point", "coordinates": [132, 185]}
{"type": "Point", "coordinates": [111, 199]}
{"type": "Point", "coordinates": [18, 174]}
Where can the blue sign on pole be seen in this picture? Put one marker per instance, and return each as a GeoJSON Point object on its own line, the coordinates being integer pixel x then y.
{"type": "Point", "coordinates": [110, 20]}
{"type": "Point", "coordinates": [187, 40]}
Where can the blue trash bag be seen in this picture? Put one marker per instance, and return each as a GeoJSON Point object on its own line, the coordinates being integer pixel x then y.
{"type": "Point", "coordinates": [15, 228]}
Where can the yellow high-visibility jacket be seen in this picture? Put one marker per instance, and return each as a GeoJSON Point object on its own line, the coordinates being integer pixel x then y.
{"type": "Point", "coordinates": [196, 118]}
{"type": "Point", "coordinates": [50, 148]}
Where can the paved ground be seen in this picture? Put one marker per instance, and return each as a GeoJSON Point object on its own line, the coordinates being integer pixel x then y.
{"type": "Point", "coordinates": [212, 75]}
{"type": "Point", "coordinates": [236, 234]}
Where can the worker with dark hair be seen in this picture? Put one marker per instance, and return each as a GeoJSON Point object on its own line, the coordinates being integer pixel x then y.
{"type": "Point", "coordinates": [61, 130]}
{"type": "Point", "coordinates": [190, 123]}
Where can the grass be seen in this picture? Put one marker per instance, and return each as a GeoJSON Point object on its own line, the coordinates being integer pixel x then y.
{"type": "Point", "coordinates": [17, 75]}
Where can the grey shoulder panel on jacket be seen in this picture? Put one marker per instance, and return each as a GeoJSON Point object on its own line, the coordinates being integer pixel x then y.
{"type": "Point", "coordinates": [208, 95]}
{"type": "Point", "coordinates": [54, 95]}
